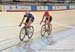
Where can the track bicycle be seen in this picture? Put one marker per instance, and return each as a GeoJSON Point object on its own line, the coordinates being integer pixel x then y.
{"type": "Point", "coordinates": [26, 32]}
{"type": "Point", "coordinates": [44, 29]}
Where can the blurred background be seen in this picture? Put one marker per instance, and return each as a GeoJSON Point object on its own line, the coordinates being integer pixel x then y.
{"type": "Point", "coordinates": [38, 1]}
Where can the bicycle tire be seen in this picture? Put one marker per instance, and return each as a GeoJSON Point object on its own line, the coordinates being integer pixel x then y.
{"type": "Point", "coordinates": [29, 37]}
{"type": "Point", "coordinates": [20, 34]}
{"type": "Point", "coordinates": [43, 27]}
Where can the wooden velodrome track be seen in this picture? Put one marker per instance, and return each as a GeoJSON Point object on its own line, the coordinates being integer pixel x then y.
{"type": "Point", "coordinates": [9, 21]}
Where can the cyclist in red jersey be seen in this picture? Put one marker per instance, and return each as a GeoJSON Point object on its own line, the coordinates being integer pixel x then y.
{"type": "Point", "coordinates": [48, 18]}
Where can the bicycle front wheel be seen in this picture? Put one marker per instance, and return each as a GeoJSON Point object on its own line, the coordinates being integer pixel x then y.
{"type": "Point", "coordinates": [22, 33]}
{"type": "Point", "coordinates": [30, 31]}
{"type": "Point", "coordinates": [43, 30]}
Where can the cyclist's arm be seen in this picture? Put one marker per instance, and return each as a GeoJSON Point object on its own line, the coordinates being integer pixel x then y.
{"type": "Point", "coordinates": [21, 21]}
{"type": "Point", "coordinates": [42, 18]}
{"type": "Point", "coordinates": [23, 18]}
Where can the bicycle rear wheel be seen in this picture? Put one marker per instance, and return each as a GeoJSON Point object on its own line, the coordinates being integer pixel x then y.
{"type": "Point", "coordinates": [49, 32]}
{"type": "Point", "coordinates": [30, 31]}
{"type": "Point", "coordinates": [22, 33]}
{"type": "Point", "coordinates": [43, 30]}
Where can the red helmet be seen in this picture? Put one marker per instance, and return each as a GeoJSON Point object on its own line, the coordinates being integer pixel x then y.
{"type": "Point", "coordinates": [46, 12]}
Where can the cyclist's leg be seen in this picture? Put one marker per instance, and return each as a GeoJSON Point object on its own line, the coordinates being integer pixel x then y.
{"type": "Point", "coordinates": [49, 25]}
{"type": "Point", "coordinates": [46, 23]}
{"type": "Point", "coordinates": [29, 22]}
{"type": "Point", "coordinates": [26, 22]}
{"type": "Point", "coordinates": [49, 22]}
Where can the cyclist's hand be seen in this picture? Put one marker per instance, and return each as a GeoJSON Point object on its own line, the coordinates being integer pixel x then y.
{"type": "Point", "coordinates": [19, 25]}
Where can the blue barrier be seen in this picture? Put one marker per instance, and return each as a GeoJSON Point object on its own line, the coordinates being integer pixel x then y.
{"type": "Point", "coordinates": [49, 7]}
{"type": "Point", "coordinates": [68, 7]}
{"type": "Point", "coordinates": [52, 7]}
{"type": "Point", "coordinates": [39, 8]}
{"type": "Point", "coordinates": [33, 8]}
